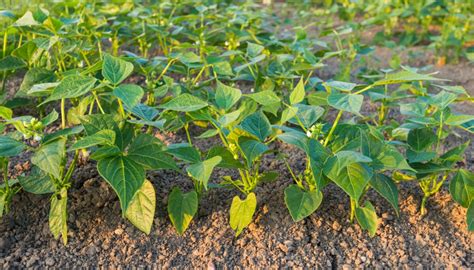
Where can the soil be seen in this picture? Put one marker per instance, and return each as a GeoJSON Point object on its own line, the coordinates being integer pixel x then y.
{"type": "Point", "coordinates": [100, 237]}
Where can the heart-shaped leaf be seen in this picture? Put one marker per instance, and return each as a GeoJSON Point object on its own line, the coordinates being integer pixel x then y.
{"type": "Point", "coordinates": [115, 70]}
{"type": "Point", "coordinates": [181, 208]}
{"type": "Point", "coordinates": [302, 203]}
{"type": "Point", "coordinates": [141, 211]}
{"type": "Point", "coordinates": [226, 96]}
{"type": "Point", "coordinates": [241, 212]}
{"type": "Point", "coordinates": [367, 218]}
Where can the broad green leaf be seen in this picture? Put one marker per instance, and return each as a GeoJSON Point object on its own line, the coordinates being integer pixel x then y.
{"type": "Point", "coordinates": [419, 156]}
{"type": "Point", "coordinates": [6, 113]}
{"type": "Point", "coordinates": [458, 119]}
{"type": "Point", "coordinates": [202, 171]}
{"type": "Point", "coordinates": [254, 50]}
{"type": "Point", "coordinates": [181, 208]}
{"type": "Point", "coordinates": [405, 76]}
{"type": "Point", "coordinates": [208, 134]}
{"type": "Point", "coordinates": [25, 51]}
{"type": "Point", "coordinates": [71, 87]}
{"type": "Point", "coordinates": [141, 211]}
{"type": "Point", "coordinates": [124, 175]}
{"type": "Point", "coordinates": [145, 112]}
{"type": "Point", "coordinates": [352, 178]}
{"type": "Point", "coordinates": [389, 158]}
{"type": "Point", "coordinates": [295, 138]}
{"type": "Point", "coordinates": [103, 137]}
{"type": "Point", "coordinates": [442, 99]}
{"type": "Point", "coordinates": [96, 122]}
{"type": "Point", "coordinates": [49, 157]}
{"type": "Point", "coordinates": [420, 139]}
{"type": "Point", "coordinates": [341, 86]}
{"type": "Point", "coordinates": [106, 151]}
{"type": "Point", "coordinates": [297, 95]}
{"type": "Point", "coordinates": [11, 63]}
{"type": "Point", "coordinates": [115, 70]}
{"type": "Point", "coordinates": [184, 103]}
{"type": "Point", "coordinates": [252, 149]}
{"type": "Point", "coordinates": [461, 187]}
{"type": "Point", "coordinates": [37, 182]}
{"type": "Point", "coordinates": [26, 20]}
{"type": "Point", "coordinates": [306, 115]}
{"type": "Point", "coordinates": [62, 133]}
{"type": "Point", "coordinates": [58, 215]}
{"type": "Point", "coordinates": [130, 94]}
{"type": "Point", "coordinates": [344, 158]}
{"type": "Point", "coordinates": [265, 98]}
{"type": "Point", "coordinates": [149, 151]}
{"type": "Point", "coordinates": [10, 147]}
{"type": "Point", "coordinates": [185, 152]}
{"type": "Point", "coordinates": [229, 118]}
{"type": "Point", "coordinates": [241, 212]}
{"type": "Point", "coordinates": [346, 102]}
{"type": "Point", "coordinates": [470, 217]}
{"type": "Point", "coordinates": [228, 160]}
{"type": "Point", "coordinates": [50, 118]}
{"type": "Point", "coordinates": [258, 125]}
{"type": "Point", "coordinates": [75, 114]}
{"type": "Point", "coordinates": [33, 77]}
{"type": "Point", "coordinates": [367, 218]}
{"type": "Point", "coordinates": [223, 68]}
{"type": "Point", "coordinates": [387, 189]}
{"type": "Point", "coordinates": [288, 114]}
{"type": "Point", "coordinates": [302, 203]}
{"type": "Point", "coordinates": [226, 96]}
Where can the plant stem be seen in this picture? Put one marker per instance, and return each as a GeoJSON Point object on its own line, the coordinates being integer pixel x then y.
{"type": "Point", "coordinates": [63, 113]}
{"type": "Point", "coordinates": [353, 206]}
{"type": "Point", "coordinates": [334, 125]}
{"type": "Point", "coordinates": [423, 207]}
{"type": "Point", "coordinates": [186, 128]}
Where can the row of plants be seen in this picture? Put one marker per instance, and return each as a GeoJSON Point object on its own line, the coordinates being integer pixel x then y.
{"type": "Point", "coordinates": [443, 26]}
{"type": "Point", "coordinates": [104, 79]}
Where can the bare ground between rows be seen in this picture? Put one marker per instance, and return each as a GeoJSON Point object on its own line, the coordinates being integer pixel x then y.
{"type": "Point", "coordinates": [100, 237]}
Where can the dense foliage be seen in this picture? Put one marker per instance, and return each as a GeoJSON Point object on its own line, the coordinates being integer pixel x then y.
{"type": "Point", "coordinates": [100, 80]}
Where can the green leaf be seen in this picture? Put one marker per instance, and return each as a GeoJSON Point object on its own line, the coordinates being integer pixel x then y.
{"type": "Point", "coordinates": [34, 76]}
{"type": "Point", "coordinates": [149, 152]}
{"type": "Point", "coordinates": [71, 87]}
{"type": "Point", "coordinates": [405, 76]}
{"type": "Point", "coordinates": [141, 211]}
{"type": "Point", "coordinates": [420, 139]}
{"type": "Point", "coordinates": [226, 96]}
{"type": "Point", "coordinates": [184, 103]}
{"type": "Point", "coordinates": [367, 218]}
{"type": "Point", "coordinates": [49, 157]}
{"type": "Point", "coordinates": [252, 149]}
{"type": "Point", "coordinates": [58, 215]}
{"type": "Point", "coordinates": [297, 95]}
{"type": "Point", "coordinates": [258, 125]}
{"type": "Point", "coordinates": [37, 182]}
{"type": "Point", "coordinates": [10, 147]}
{"type": "Point", "coordinates": [352, 178]}
{"type": "Point", "coordinates": [202, 171]}
{"type": "Point", "coordinates": [115, 70]}
{"type": "Point", "coordinates": [306, 115]}
{"type": "Point", "coordinates": [182, 208]}
{"type": "Point", "coordinates": [11, 63]}
{"type": "Point", "coordinates": [103, 137]}
{"type": "Point", "coordinates": [26, 20]}
{"type": "Point", "coordinates": [302, 203]}
{"type": "Point", "coordinates": [470, 217]}
{"type": "Point", "coordinates": [124, 175]}
{"type": "Point", "coordinates": [241, 212]}
{"type": "Point", "coordinates": [254, 50]}
{"type": "Point", "coordinates": [461, 187]}
{"type": "Point", "coordinates": [130, 94]}
{"type": "Point", "coordinates": [228, 160]}
{"type": "Point", "coordinates": [265, 98]}
{"type": "Point", "coordinates": [106, 151]}
{"type": "Point", "coordinates": [387, 189]}
{"type": "Point", "coordinates": [96, 122]}
{"type": "Point", "coordinates": [185, 152]}
{"type": "Point", "coordinates": [346, 102]}
{"type": "Point", "coordinates": [6, 113]}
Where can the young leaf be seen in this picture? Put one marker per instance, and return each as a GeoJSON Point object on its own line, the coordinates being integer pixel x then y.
{"type": "Point", "coordinates": [184, 103]}
{"type": "Point", "coordinates": [71, 87]}
{"type": "Point", "coordinates": [367, 218]}
{"type": "Point", "coordinates": [346, 102]}
{"type": "Point", "coordinates": [115, 70]}
{"type": "Point", "coordinates": [420, 139]}
{"type": "Point", "coordinates": [10, 147]}
{"type": "Point", "coordinates": [462, 187]}
{"type": "Point", "coordinates": [202, 171]}
{"type": "Point", "coordinates": [149, 152]}
{"type": "Point", "coordinates": [102, 137]}
{"type": "Point", "coordinates": [124, 175]}
{"type": "Point", "coordinates": [241, 212]}
{"type": "Point", "coordinates": [226, 96]}
{"type": "Point", "coordinates": [141, 210]}
{"type": "Point", "coordinates": [297, 95]}
{"type": "Point", "coordinates": [37, 182]}
{"type": "Point", "coordinates": [58, 215]}
{"type": "Point", "coordinates": [258, 125]}
{"type": "Point", "coordinates": [130, 94]}
{"type": "Point", "coordinates": [50, 156]}
{"type": "Point", "coordinates": [252, 149]}
{"type": "Point", "coordinates": [302, 203]}
{"type": "Point", "coordinates": [181, 208]}
{"type": "Point", "coordinates": [387, 189]}
{"type": "Point", "coordinates": [352, 178]}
